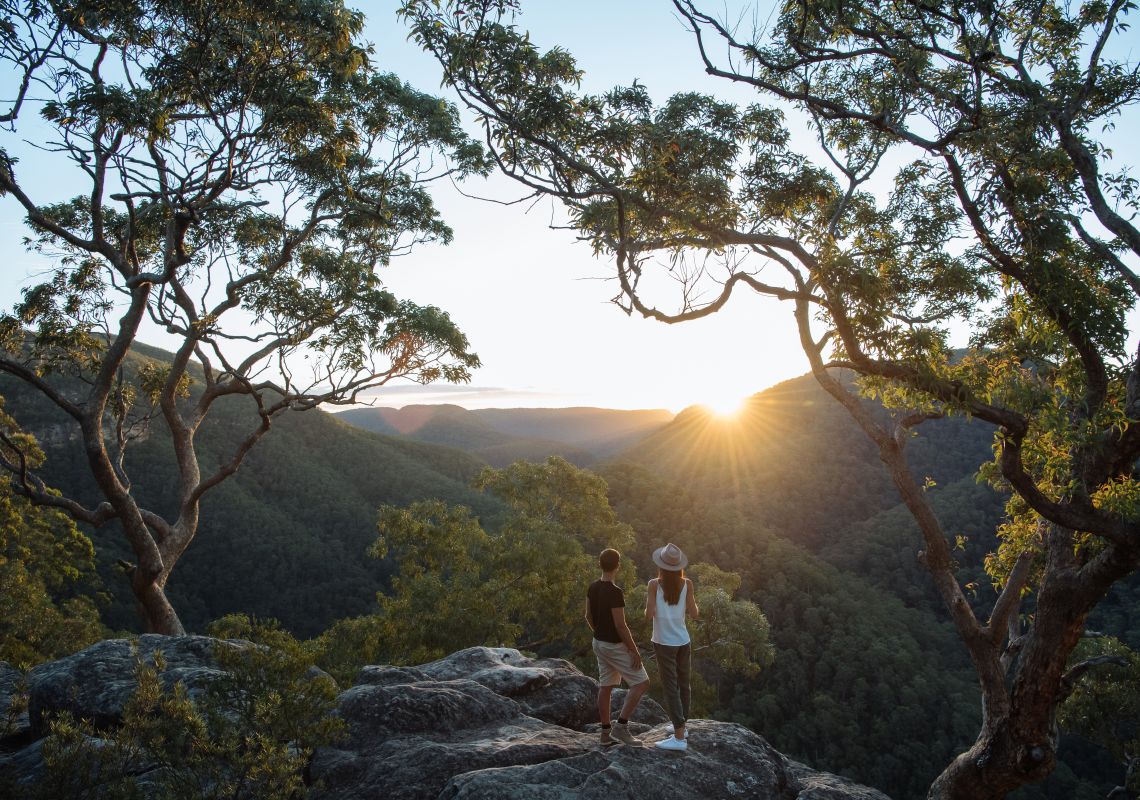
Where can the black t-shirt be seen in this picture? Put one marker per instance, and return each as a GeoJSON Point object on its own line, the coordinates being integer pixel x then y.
{"type": "Point", "coordinates": [605, 596]}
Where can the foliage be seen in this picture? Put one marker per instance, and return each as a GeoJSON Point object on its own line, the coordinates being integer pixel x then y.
{"type": "Point", "coordinates": [351, 643]}
{"type": "Point", "coordinates": [305, 505]}
{"type": "Point", "coordinates": [46, 567]}
{"type": "Point", "coordinates": [243, 169]}
{"type": "Point", "coordinates": [522, 584]}
{"type": "Point", "coordinates": [1105, 704]}
{"type": "Point", "coordinates": [558, 495]}
{"type": "Point", "coordinates": [881, 548]}
{"type": "Point", "coordinates": [248, 735]}
{"type": "Point", "coordinates": [733, 634]}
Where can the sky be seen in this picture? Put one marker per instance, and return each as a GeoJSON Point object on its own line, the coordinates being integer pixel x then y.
{"type": "Point", "coordinates": [534, 302]}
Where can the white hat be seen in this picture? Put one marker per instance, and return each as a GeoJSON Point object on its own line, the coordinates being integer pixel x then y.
{"type": "Point", "coordinates": [670, 558]}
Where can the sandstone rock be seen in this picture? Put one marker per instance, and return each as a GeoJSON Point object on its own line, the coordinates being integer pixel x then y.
{"type": "Point", "coordinates": [481, 723]}
{"type": "Point", "coordinates": [550, 689]}
{"type": "Point", "coordinates": [429, 708]}
{"type": "Point", "coordinates": [488, 723]}
{"type": "Point", "coordinates": [408, 767]}
{"type": "Point", "coordinates": [386, 675]}
{"type": "Point", "coordinates": [724, 760]}
{"type": "Point", "coordinates": [503, 670]}
{"type": "Point", "coordinates": [571, 700]}
{"type": "Point", "coordinates": [94, 683]}
{"type": "Point", "coordinates": [813, 785]}
{"type": "Point", "coordinates": [23, 768]}
{"type": "Point", "coordinates": [406, 741]}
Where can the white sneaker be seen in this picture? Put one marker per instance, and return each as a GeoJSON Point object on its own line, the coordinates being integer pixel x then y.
{"type": "Point", "coordinates": [673, 743]}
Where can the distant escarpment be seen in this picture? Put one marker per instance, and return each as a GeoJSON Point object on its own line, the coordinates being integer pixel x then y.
{"type": "Point", "coordinates": [500, 436]}
{"type": "Point", "coordinates": [480, 723]}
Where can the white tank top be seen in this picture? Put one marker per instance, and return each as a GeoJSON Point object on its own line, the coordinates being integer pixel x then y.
{"type": "Point", "coordinates": [669, 621]}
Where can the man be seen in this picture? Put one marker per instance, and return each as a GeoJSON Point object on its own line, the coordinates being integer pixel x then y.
{"type": "Point", "coordinates": [615, 649]}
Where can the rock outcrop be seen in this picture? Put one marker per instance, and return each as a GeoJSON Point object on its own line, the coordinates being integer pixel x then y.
{"type": "Point", "coordinates": [481, 723]}
{"type": "Point", "coordinates": [95, 683]}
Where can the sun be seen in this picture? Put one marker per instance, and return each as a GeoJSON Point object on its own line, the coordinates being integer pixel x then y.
{"type": "Point", "coordinates": [725, 407]}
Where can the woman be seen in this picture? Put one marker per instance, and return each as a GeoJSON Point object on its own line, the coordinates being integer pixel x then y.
{"type": "Point", "coordinates": [670, 598]}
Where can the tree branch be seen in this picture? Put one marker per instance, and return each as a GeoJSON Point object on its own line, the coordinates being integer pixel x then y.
{"type": "Point", "coordinates": [47, 390]}
{"type": "Point", "coordinates": [1074, 674]}
{"type": "Point", "coordinates": [1008, 602]}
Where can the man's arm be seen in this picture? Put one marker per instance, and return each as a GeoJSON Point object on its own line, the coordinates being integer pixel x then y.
{"type": "Point", "coordinates": [691, 600]}
{"type": "Point", "coordinates": [626, 636]}
{"type": "Point", "coordinates": [651, 600]}
{"type": "Point", "coordinates": [589, 615]}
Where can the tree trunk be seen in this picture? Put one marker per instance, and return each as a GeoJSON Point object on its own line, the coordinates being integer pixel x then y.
{"type": "Point", "coordinates": [156, 613]}
{"type": "Point", "coordinates": [999, 762]}
{"type": "Point", "coordinates": [148, 578]}
{"type": "Point", "coordinates": [1021, 747]}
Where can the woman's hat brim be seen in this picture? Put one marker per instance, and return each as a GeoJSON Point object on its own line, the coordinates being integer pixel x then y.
{"type": "Point", "coordinates": [659, 561]}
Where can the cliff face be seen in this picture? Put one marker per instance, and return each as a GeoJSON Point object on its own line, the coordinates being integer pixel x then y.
{"type": "Point", "coordinates": [481, 723]}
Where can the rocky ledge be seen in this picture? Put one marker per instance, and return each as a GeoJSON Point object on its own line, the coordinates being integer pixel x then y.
{"type": "Point", "coordinates": [481, 723]}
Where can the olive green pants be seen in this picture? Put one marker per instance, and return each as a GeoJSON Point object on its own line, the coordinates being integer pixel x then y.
{"type": "Point", "coordinates": [674, 663]}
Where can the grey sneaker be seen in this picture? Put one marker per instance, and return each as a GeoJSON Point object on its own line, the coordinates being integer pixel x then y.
{"type": "Point", "coordinates": [622, 734]}
{"type": "Point", "coordinates": [606, 738]}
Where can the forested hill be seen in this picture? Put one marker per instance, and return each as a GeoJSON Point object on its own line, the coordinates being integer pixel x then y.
{"type": "Point", "coordinates": [285, 537]}
{"type": "Point", "coordinates": [869, 677]}
{"type": "Point", "coordinates": [794, 459]}
{"type": "Point", "coordinates": [500, 436]}
{"type": "Point", "coordinates": [879, 691]}
{"type": "Point", "coordinates": [299, 515]}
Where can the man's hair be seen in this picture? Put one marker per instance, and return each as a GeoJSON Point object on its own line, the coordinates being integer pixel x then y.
{"type": "Point", "coordinates": [609, 559]}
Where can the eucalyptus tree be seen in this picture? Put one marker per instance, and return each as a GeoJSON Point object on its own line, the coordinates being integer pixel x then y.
{"type": "Point", "coordinates": [956, 177]}
{"type": "Point", "coordinates": [230, 175]}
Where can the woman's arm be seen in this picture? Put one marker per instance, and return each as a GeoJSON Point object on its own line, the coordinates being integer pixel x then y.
{"type": "Point", "coordinates": [651, 600]}
{"type": "Point", "coordinates": [691, 606]}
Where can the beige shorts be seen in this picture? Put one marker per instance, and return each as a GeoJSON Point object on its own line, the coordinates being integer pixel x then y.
{"type": "Point", "coordinates": [615, 663]}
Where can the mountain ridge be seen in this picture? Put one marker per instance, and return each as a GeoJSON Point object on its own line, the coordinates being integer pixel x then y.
{"type": "Point", "coordinates": [582, 435]}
